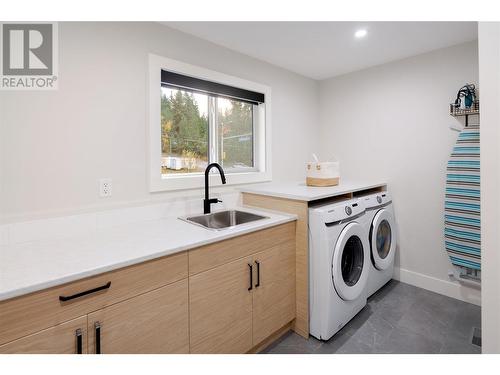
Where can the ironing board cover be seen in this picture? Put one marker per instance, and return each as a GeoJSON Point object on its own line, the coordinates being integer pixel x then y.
{"type": "Point", "coordinates": [462, 223]}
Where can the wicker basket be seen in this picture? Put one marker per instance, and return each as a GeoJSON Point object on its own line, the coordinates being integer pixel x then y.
{"type": "Point", "coordinates": [323, 173]}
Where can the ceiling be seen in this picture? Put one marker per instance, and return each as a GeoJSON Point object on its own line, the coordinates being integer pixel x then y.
{"type": "Point", "coordinates": [321, 50]}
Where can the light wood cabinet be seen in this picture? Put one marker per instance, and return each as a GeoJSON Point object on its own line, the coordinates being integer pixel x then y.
{"type": "Point", "coordinates": [65, 338]}
{"type": "Point", "coordinates": [301, 209]}
{"type": "Point", "coordinates": [220, 307]}
{"type": "Point", "coordinates": [237, 305]}
{"type": "Point", "coordinates": [153, 322]}
{"type": "Point", "coordinates": [274, 297]}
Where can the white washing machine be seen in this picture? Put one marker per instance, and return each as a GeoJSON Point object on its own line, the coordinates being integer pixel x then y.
{"type": "Point", "coordinates": [380, 227]}
{"type": "Point", "coordinates": [339, 266]}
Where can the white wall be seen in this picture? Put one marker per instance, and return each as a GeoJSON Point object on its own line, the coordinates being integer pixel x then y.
{"type": "Point", "coordinates": [392, 122]}
{"type": "Point", "coordinates": [489, 77]}
{"type": "Point", "coordinates": [54, 146]}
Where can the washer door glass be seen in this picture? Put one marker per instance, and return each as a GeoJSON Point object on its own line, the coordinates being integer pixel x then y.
{"type": "Point", "coordinates": [382, 239]}
{"type": "Point", "coordinates": [350, 262]}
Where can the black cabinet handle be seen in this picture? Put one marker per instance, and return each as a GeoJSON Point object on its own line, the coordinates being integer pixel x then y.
{"type": "Point", "coordinates": [251, 277]}
{"type": "Point", "coordinates": [258, 274]}
{"type": "Point", "coordinates": [79, 341]}
{"type": "Point", "coordinates": [81, 294]}
{"type": "Point", "coordinates": [97, 327]}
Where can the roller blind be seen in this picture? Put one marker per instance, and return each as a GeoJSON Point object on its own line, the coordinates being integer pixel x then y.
{"type": "Point", "coordinates": [171, 79]}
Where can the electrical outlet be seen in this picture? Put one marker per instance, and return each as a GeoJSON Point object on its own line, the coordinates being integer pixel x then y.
{"type": "Point", "coordinates": [105, 187]}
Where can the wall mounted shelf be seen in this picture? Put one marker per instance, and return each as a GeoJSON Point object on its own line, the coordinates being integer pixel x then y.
{"type": "Point", "coordinates": [459, 112]}
{"type": "Point", "coordinates": [456, 112]}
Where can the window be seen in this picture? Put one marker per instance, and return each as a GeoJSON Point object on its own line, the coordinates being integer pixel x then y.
{"type": "Point", "coordinates": [204, 117]}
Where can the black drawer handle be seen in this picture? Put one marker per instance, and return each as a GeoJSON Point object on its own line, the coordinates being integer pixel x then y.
{"type": "Point", "coordinates": [258, 274]}
{"type": "Point", "coordinates": [79, 341]}
{"type": "Point", "coordinates": [251, 277]}
{"type": "Point", "coordinates": [97, 327]}
{"type": "Point", "coordinates": [81, 294]}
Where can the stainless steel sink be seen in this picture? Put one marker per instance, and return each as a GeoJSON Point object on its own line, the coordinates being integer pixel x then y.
{"type": "Point", "coordinates": [223, 219]}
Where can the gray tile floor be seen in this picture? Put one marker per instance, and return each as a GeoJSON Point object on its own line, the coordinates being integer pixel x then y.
{"type": "Point", "coordinates": [399, 318]}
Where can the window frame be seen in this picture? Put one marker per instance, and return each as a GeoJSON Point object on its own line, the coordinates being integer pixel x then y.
{"type": "Point", "coordinates": [262, 129]}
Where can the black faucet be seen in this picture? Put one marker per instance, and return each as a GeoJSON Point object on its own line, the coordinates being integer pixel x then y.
{"type": "Point", "coordinates": [207, 202]}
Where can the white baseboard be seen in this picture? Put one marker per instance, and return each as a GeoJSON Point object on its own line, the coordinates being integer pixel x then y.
{"type": "Point", "coordinates": [463, 292]}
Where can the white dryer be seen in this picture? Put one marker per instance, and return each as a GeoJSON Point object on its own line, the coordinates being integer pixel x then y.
{"type": "Point", "coordinates": [380, 227]}
{"type": "Point", "coordinates": [339, 266]}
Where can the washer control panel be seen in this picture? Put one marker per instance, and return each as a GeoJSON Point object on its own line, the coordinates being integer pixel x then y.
{"type": "Point", "coordinates": [340, 211]}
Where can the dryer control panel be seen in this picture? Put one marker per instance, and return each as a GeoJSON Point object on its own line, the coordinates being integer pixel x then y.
{"type": "Point", "coordinates": [377, 200]}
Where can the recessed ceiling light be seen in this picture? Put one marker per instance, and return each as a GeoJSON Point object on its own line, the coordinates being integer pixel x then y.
{"type": "Point", "coordinates": [360, 33]}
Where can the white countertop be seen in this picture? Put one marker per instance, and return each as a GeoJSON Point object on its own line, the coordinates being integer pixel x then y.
{"type": "Point", "coordinates": [300, 191]}
{"type": "Point", "coordinates": [37, 265]}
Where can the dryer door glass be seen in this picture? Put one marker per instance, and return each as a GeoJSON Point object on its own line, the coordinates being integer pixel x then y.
{"type": "Point", "coordinates": [352, 260]}
{"type": "Point", "coordinates": [384, 235]}
{"type": "Point", "coordinates": [382, 239]}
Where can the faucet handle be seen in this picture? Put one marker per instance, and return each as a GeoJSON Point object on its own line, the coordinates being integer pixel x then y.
{"type": "Point", "coordinates": [219, 200]}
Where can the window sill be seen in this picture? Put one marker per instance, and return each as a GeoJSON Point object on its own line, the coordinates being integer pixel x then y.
{"type": "Point", "coordinates": [185, 182]}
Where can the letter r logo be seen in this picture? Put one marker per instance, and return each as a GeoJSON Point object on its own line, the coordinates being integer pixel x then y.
{"type": "Point", "coordinates": [27, 49]}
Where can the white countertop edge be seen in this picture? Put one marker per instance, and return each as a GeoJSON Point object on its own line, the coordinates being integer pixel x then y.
{"type": "Point", "coordinates": [224, 235]}
{"type": "Point", "coordinates": [326, 192]}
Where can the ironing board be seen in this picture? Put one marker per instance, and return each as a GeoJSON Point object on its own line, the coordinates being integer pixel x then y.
{"type": "Point", "coordinates": [462, 222]}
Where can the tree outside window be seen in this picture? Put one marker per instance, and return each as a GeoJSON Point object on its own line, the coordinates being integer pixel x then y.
{"type": "Point", "coordinates": [186, 127]}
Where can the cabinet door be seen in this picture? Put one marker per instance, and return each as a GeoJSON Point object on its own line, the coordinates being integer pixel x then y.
{"type": "Point", "coordinates": [153, 322]}
{"type": "Point", "coordinates": [66, 338]}
{"type": "Point", "coordinates": [220, 309]}
{"type": "Point", "coordinates": [274, 297]}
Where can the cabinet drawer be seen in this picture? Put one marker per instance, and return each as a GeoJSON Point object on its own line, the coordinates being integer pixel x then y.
{"type": "Point", "coordinates": [216, 254]}
{"type": "Point", "coordinates": [33, 312]}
